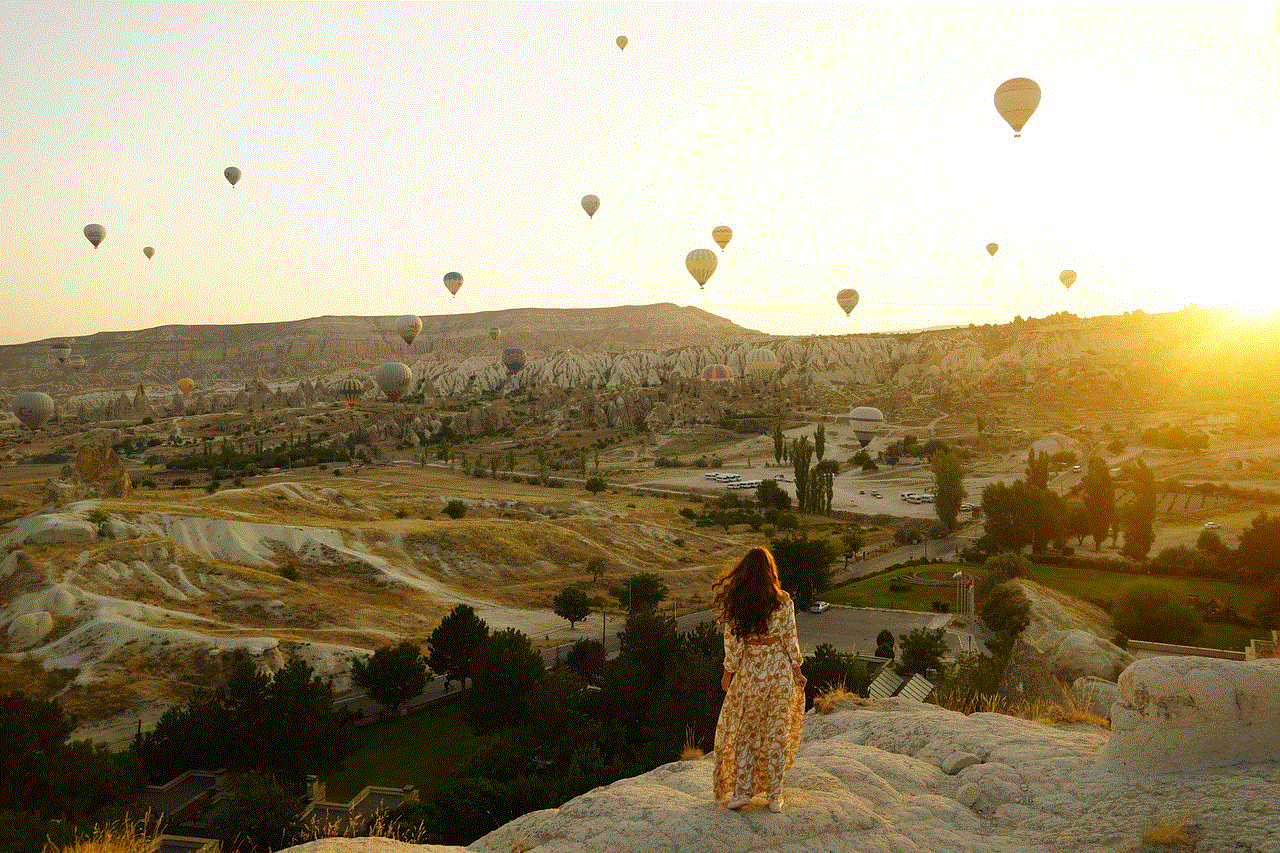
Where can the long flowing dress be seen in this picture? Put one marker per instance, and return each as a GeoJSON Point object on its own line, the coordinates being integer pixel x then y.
{"type": "Point", "coordinates": [763, 712]}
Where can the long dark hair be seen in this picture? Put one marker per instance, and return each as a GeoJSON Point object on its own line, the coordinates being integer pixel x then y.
{"type": "Point", "coordinates": [748, 592]}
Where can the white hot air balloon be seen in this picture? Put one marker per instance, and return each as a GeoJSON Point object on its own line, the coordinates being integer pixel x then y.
{"type": "Point", "coordinates": [408, 327]}
{"type": "Point", "coordinates": [866, 422]}
{"type": "Point", "coordinates": [33, 408]}
{"type": "Point", "coordinates": [393, 378]}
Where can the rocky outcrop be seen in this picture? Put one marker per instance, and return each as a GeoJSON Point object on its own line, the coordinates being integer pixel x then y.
{"type": "Point", "coordinates": [1180, 714]}
{"type": "Point", "coordinates": [96, 472]}
{"type": "Point", "coordinates": [1068, 639]}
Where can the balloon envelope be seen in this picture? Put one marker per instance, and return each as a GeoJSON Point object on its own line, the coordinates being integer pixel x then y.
{"type": "Point", "coordinates": [148, 251]}
{"type": "Point", "coordinates": [453, 281]}
{"type": "Point", "coordinates": [1068, 278]}
{"type": "Point", "coordinates": [232, 174]}
{"type": "Point", "coordinates": [95, 234]}
{"type": "Point", "coordinates": [407, 327]}
{"type": "Point", "coordinates": [393, 378]}
{"type": "Point", "coordinates": [61, 350]}
{"type": "Point", "coordinates": [622, 42]}
{"type": "Point", "coordinates": [186, 385]}
{"type": "Point", "coordinates": [992, 248]}
{"type": "Point", "coordinates": [76, 363]}
{"type": "Point", "coordinates": [495, 332]}
{"type": "Point", "coordinates": [848, 300]}
{"type": "Point", "coordinates": [760, 363]}
{"type": "Point", "coordinates": [350, 390]}
{"type": "Point", "coordinates": [866, 422]}
{"type": "Point", "coordinates": [722, 234]}
{"type": "Point", "coordinates": [1016, 100]}
{"type": "Point", "coordinates": [700, 263]}
{"type": "Point", "coordinates": [513, 359]}
{"type": "Point", "coordinates": [717, 373]}
{"type": "Point", "coordinates": [33, 408]}
{"type": "Point", "coordinates": [591, 203]}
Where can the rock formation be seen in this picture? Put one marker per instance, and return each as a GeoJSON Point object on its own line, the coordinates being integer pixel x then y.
{"type": "Point", "coordinates": [96, 473]}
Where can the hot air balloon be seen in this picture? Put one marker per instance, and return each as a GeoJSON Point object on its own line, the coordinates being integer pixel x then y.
{"type": "Point", "coordinates": [722, 234]}
{"type": "Point", "coordinates": [62, 349]}
{"type": "Point", "coordinates": [495, 332]}
{"type": "Point", "coordinates": [33, 408]}
{"type": "Point", "coordinates": [622, 42]}
{"type": "Point", "coordinates": [186, 385]}
{"type": "Point", "coordinates": [453, 281]}
{"type": "Point", "coordinates": [232, 174]}
{"type": "Point", "coordinates": [700, 263]}
{"type": "Point", "coordinates": [95, 234]}
{"type": "Point", "coordinates": [393, 378]}
{"type": "Point", "coordinates": [848, 300]}
{"type": "Point", "coordinates": [1016, 100]}
{"type": "Point", "coordinates": [866, 422]}
{"type": "Point", "coordinates": [148, 251]}
{"type": "Point", "coordinates": [992, 248]}
{"type": "Point", "coordinates": [513, 359]}
{"type": "Point", "coordinates": [76, 363]}
{"type": "Point", "coordinates": [717, 373]}
{"type": "Point", "coordinates": [760, 364]}
{"type": "Point", "coordinates": [408, 327]}
{"type": "Point", "coordinates": [1068, 278]}
{"type": "Point", "coordinates": [591, 203]}
{"type": "Point", "coordinates": [350, 390]}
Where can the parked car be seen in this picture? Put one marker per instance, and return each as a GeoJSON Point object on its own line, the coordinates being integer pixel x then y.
{"type": "Point", "coordinates": [875, 494]}
{"type": "Point", "coordinates": [1211, 525]}
{"type": "Point", "coordinates": [819, 607]}
{"type": "Point", "coordinates": [711, 475]}
{"type": "Point", "coordinates": [780, 477]}
{"type": "Point", "coordinates": [862, 491]}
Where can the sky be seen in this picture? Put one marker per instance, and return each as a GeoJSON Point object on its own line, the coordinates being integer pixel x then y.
{"type": "Point", "coordinates": [847, 145]}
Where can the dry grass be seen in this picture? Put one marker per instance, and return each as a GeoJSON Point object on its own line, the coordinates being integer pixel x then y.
{"type": "Point", "coordinates": [834, 698]}
{"type": "Point", "coordinates": [691, 751]}
{"type": "Point", "coordinates": [1178, 830]}
{"type": "Point", "coordinates": [127, 836]}
{"type": "Point", "coordinates": [1039, 710]}
{"type": "Point", "coordinates": [379, 827]}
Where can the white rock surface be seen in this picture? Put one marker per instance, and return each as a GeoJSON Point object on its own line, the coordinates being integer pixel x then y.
{"type": "Point", "coordinates": [28, 629]}
{"type": "Point", "coordinates": [867, 779]}
{"type": "Point", "coordinates": [1072, 650]}
{"type": "Point", "coordinates": [50, 528]}
{"type": "Point", "coordinates": [1184, 713]}
{"type": "Point", "coordinates": [1095, 694]}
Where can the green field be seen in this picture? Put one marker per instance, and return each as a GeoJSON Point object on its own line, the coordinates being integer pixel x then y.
{"type": "Point", "coordinates": [422, 749]}
{"type": "Point", "coordinates": [1086, 584]}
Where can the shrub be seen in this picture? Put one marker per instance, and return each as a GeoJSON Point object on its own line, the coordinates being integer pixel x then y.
{"type": "Point", "coordinates": [402, 513]}
{"type": "Point", "coordinates": [181, 483]}
{"type": "Point", "coordinates": [337, 472]}
{"type": "Point", "coordinates": [455, 509]}
{"type": "Point", "coordinates": [211, 486]}
{"type": "Point", "coordinates": [1150, 612]}
{"type": "Point", "coordinates": [96, 517]}
{"type": "Point", "coordinates": [289, 572]}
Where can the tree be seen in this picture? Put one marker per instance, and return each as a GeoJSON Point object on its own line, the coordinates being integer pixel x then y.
{"type": "Point", "coordinates": [920, 651]}
{"type": "Point", "coordinates": [1259, 550]}
{"type": "Point", "coordinates": [596, 567]}
{"type": "Point", "coordinates": [455, 509]}
{"type": "Point", "coordinates": [1150, 612]}
{"type": "Point", "coordinates": [820, 441]}
{"type": "Point", "coordinates": [770, 494]}
{"type": "Point", "coordinates": [1139, 518]}
{"type": "Point", "coordinates": [822, 491]}
{"type": "Point", "coordinates": [503, 670]}
{"type": "Point", "coordinates": [1038, 469]}
{"type": "Point", "coordinates": [948, 487]}
{"type": "Point", "coordinates": [1267, 611]}
{"type": "Point", "coordinates": [1077, 522]}
{"type": "Point", "coordinates": [1099, 500]}
{"type": "Point", "coordinates": [884, 644]}
{"type": "Point", "coordinates": [804, 567]}
{"type": "Point", "coordinates": [829, 668]}
{"type": "Point", "coordinates": [643, 591]}
{"type": "Point", "coordinates": [587, 658]}
{"type": "Point", "coordinates": [1018, 515]}
{"type": "Point", "coordinates": [864, 461]}
{"type": "Point", "coordinates": [454, 641]}
{"type": "Point", "coordinates": [801, 456]}
{"type": "Point", "coordinates": [392, 676]}
{"type": "Point", "coordinates": [261, 815]}
{"type": "Point", "coordinates": [303, 732]}
{"type": "Point", "coordinates": [571, 604]}
{"type": "Point", "coordinates": [595, 485]}
{"type": "Point", "coordinates": [777, 443]}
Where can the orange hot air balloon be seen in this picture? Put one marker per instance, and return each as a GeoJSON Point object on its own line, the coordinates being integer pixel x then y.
{"type": "Point", "coordinates": [847, 299]}
{"type": "Point", "coordinates": [1068, 278]}
{"type": "Point", "coordinates": [992, 248]}
{"type": "Point", "coordinates": [1016, 100]}
{"type": "Point", "coordinates": [186, 385]}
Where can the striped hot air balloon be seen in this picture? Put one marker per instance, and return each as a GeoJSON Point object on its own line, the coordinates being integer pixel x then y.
{"type": "Point", "coordinates": [393, 378]}
{"type": "Point", "coordinates": [760, 364]}
{"type": "Point", "coordinates": [350, 390]}
{"type": "Point", "coordinates": [717, 373]}
{"type": "Point", "coordinates": [513, 359]}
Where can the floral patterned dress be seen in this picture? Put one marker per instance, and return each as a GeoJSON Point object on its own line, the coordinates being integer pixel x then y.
{"type": "Point", "coordinates": [763, 712]}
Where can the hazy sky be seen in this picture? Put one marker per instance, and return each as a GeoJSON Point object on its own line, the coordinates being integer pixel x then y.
{"type": "Point", "coordinates": [847, 145]}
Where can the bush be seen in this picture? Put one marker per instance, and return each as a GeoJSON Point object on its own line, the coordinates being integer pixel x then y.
{"type": "Point", "coordinates": [337, 472]}
{"type": "Point", "coordinates": [402, 513]}
{"type": "Point", "coordinates": [289, 572]}
{"type": "Point", "coordinates": [1150, 612]}
{"type": "Point", "coordinates": [595, 485]}
{"type": "Point", "coordinates": [455, 509]}
{"type": "Point", "coordinates": [1000, 568]}
{"type": "Point", "coordinates": [181, 483]}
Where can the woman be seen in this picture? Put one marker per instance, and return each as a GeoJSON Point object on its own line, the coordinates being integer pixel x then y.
{"type": "Point", "coordinates": [760, 721]}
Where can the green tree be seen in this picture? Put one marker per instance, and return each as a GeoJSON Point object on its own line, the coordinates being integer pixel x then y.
{"type": "Point", "coordinates": [455, 509]}
{"type": "Point", "coordinates": [1139, 516]}
{"type": "Point", "coordinates": [820, 441]}
{"type": "Point", "coordinates": [1038, 469]}
{"type": "Point", "coordinates": [1099, 500]}
{"type": "Point", "coordinates": [864, 461]}
{"type": "Point", "coordinates": [770, 494]}
{"type": "Point", "coordinates": [948, 487]}
{"type": "Point", "coordinates": [503, 670]}
{"type": "Point", "coordinates": [777, 442]}
{"type": "Point", "coordinates": [804, 567]}
{"type": "Point", "coordinates": [801, 457]}
{"type": "Point", "coordinates": [261, 815]}
{"type": "Point", "coordinates": [596, 567]}
{"type": "Point", "coordinates": [920, 651]}
{"type": "Point", "coordinates": [1018, 515]}
{"type": "Point", "coordinates": [1259, 551]}
{"type": "Point", "coordinates": [643, 591]}
{"type": "Point", "coordinates": [595, 485]}
{"type": "Point", "coordinates": [1150, 612]}
{"type": "Point", "coordinates": [884, 644]}
{"type": "Point", "coordinates": [1267, 611]}
{"type": "Point", "coordinates": [572, 604]}
{"type": "Point", "coordinates": [828, 668]}
{"type": "Point", "coordinates": [392, 675]}
{"type": "Point", "coordinates": [454, 642]}
{"type": "Point", "coordinates": [587, 657]}
{"type": "Point", "coordinates": [304, 733]}
{"type": "Point", "coordinates": [824, 487]}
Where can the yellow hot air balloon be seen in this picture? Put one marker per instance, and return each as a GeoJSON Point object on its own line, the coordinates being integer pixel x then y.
{"type": "Point", "coordinates": [1016, 100]}
{"type": "Point", "coordinates": [991, 249]}
{"type": "Point", "coordinates": [722, 234]}
{"type": "Point", "coordinates": [495, 332]}
{"type": "Point", "coordinates": [186, 385]}
{"type": "Point", "coordinates": [148, 251]}
{"type": "Point", "coordinates": [232, 174]}
{"type": "Point", "coordinates": [622, 42]}
{"type": "Point", "coordinates": [1068, 278]}
{"type": "Point", "coordinates": [591, 203]}
{"type": "Point", "coordinates": [453, 281]}
{"type": "Point", "coordinates": [95, 234]}
{"type": "Point", "coordinates": [408, 327]}
{"type": "Point", "coordinates": [848, 300]}
{"type": "Point", "coordinates": [700, 263]}
{"type": "Point", "coordinates": [760, 364]}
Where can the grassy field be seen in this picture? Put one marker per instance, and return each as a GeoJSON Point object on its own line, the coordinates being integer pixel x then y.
{"type": "Point", "coordinates": [422, 749]}
{"type": "Point", "coordinates": [1085, 584]}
